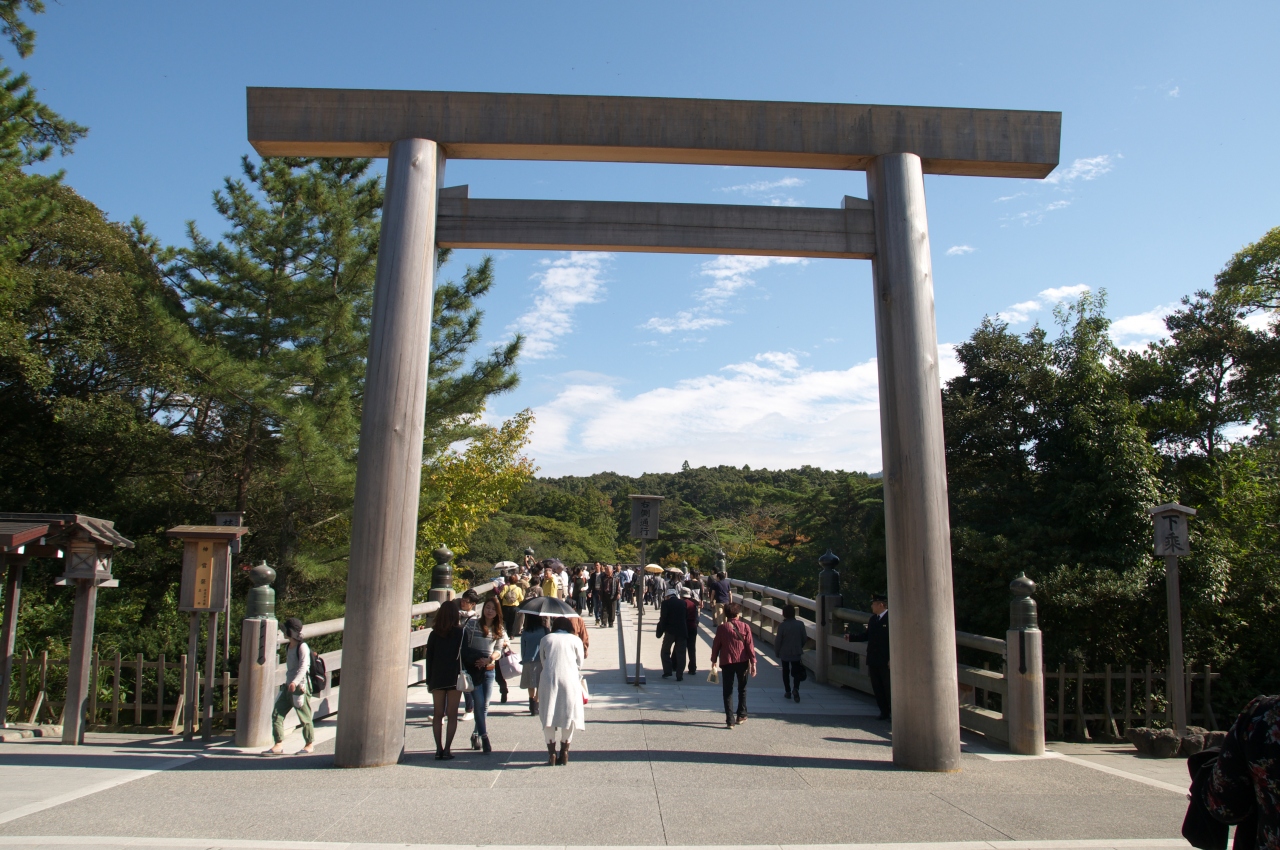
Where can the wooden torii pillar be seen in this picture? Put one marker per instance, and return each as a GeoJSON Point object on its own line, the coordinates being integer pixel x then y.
{"type": "Point", "coordinates": [895, 145]}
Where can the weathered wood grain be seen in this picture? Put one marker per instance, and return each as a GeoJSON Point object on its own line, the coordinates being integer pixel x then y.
{"type": "Point", "coordinates": [926, 726]}
{"type": "Point", "coordinates": [389, 468]}
{"type": "Point", "coordinates": [656, 227]}
{"type": "Point", "coordinates": [479, 125]}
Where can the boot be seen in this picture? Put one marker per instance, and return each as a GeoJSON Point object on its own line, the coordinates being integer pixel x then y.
{"type": "Point", "coordinates": [551, 753]}
{"type": "Point", "coordinates": [728, 720]}
{"type": "Point", "coordinates": [485, 743]}
{"type": "Point", "coordinates": [533, 706]}
{"type": "Point", "coordinates": [564, 753]}
{"type": "Point", "coordinates": [475, 741]}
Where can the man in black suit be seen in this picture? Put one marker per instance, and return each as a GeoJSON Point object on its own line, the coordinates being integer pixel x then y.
{"type": "Point", "coordinates": [674, 630]}
{"type": "Point", "coordinates": [876, 634]}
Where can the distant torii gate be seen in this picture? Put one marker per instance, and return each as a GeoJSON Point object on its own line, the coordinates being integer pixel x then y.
{"type": "Point", "coordinates": [895, 145]}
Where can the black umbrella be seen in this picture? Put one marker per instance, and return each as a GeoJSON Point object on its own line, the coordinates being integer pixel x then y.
{"type": "Point", "coordinates": [548, 606]}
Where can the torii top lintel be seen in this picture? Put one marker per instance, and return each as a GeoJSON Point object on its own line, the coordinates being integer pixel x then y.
{"type": "Point", "coordinates": [479, 125]}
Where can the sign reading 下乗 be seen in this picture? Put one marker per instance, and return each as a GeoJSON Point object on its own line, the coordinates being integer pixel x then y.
{"type": "Point", "coordinates": [644, 517]}
{"type": "Point", "coordinates": [1171, 532]}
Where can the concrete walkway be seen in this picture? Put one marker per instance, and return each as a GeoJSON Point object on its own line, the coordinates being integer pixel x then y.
{"type": "Point", "coordinates": [655, 766]}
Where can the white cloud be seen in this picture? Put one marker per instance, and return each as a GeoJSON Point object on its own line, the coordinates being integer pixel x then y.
{"type": "Point", "coordinates": [1086, 168]}
{"type": "Point", "coordinates": [683, 321]}
{"type": "Point", "coordinates": [1062, 293]}
{"type": "Point", "coordinates": [564, 285]}
{"type": "Point", "coordinates": [959, 250]}
{"type": "Point", "coordinates": [769, 191]}
{"type": "Point", "coordinates": [768, 411]}
{"type": "Point", "coordinates": [1016, 314]}
{"type": "Point", "coordinates": [1135, 331]}
{"type": "Point", "coordinates": [1173, 92]}
{"type": "Point", "coordinates": [763, 186]}
{"type": "Point", "coordinates": [1014, 196]}
{"type": "Point", "coordinates": [729, 275]}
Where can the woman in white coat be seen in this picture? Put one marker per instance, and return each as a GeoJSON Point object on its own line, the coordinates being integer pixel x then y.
{"type": "Point", "coordinates": [560, 688]}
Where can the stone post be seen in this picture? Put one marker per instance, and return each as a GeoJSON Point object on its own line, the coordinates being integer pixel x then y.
{"type": "Point", "coordinates": [384, 528]}
{"type": "Point", "coordinates": [256, 687]}
{"type": "Point", "coordinates": [441, 576]}
{"type": "Point", "coordinates": [1024, 672]}
{"type": "Point", "coordinates": [926, 722]}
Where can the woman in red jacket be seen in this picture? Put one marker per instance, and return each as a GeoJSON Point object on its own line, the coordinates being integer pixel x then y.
{"type": "Point", "coordinates": [736, 652]}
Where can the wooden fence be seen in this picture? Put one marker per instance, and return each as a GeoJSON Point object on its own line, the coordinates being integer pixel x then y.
{"type": "Point", "coordinates": [122, 691]}
{"type": "Point", "coordinates": [1118, 699]}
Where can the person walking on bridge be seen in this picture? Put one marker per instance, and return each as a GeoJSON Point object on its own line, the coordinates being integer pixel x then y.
{"type": "Point", "coordinates": [673, 628]}
{"type": "Point", "coordinates": [606, 598]}
{"type": "Point", "coordinates": [560, 688]}
{"type": "Point", "coordinates": [483, 642]}
{"type": "Point", "coordinates": [735, 649]}
{"type": "Point", "coordinates": [531, 661]}
{"type": "Point", "coordinates": [876, 634]}
{"type": "Point", "coordinates": [444, 662]}
{"type": "Point", "coordinates": [296, 692]}
{"type": "Point", "coordinates": [691, 621]}
{"type": "Point", "coordinates": [721, 595]}
{"type": "Point", "coordinates": [790, 646]}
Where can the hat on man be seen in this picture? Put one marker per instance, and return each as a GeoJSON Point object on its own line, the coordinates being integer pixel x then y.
{"type": "Point", "coordinates": [686, 593]}
{"type": "Point", "coordinates": [879, 597]}
{"type": "Point", "coordinates": [671, 591]}
{"type": "Point", "coordinates": [293, 628]}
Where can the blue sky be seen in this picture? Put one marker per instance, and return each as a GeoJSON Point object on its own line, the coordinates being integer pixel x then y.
{"type": "Point", "coordinates": [638, 362]}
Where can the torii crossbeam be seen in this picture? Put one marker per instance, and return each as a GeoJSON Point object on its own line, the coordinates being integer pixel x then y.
{"type": "Point", "coordinates": [895, 145]}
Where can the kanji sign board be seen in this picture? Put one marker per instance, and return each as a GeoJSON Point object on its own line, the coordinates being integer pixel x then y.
{"type": "Point", "coordinates": [644, 517]}
{"type": "Point", "coordinates": [1171, 536]}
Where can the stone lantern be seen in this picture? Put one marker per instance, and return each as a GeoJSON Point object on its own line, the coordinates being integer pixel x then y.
{"type": "Point", "coordinates": [88, 544]}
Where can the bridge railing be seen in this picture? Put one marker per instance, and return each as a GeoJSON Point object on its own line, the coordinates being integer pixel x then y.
{"type": "Point", "coordinates": [846, 661]}
{"type": "Point", "coordinates": [259, 682]}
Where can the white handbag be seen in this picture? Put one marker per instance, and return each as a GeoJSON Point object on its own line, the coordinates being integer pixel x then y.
{"type": "Point", "coordinates": [464, 685]}
{"type": "Point", "coordinates": [510, 664]}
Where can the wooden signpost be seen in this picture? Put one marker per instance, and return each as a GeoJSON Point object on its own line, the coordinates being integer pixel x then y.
{"type": "Point", "coordinates": [1171, 541]}
{"type": "Point", "coordinates": [205, 590]}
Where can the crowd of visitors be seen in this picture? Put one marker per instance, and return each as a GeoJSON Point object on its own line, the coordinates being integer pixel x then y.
{"type": "Point", "coordinates": [531, 632]}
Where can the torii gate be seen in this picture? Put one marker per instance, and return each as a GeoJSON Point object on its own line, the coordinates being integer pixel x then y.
{"type": "Point", "coordinates": [895, 145]}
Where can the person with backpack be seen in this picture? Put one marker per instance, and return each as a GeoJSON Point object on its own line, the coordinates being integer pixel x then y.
{"type": "Point", "coordinates": [512, 595]}
{"type": "Point", "coordinates": [790, 647]}
{"type": "Point", "coordinates": [735, 649]}
{"type": "Point", "coordinates": [444, 663]}
{"type": "Point", "coordinates": [296, 692]}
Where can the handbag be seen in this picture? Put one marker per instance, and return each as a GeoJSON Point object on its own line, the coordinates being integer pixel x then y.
{"type": "Point", "coordinates": [713, 678]}
{"type": "Point", "coordinates": [586, 696]}
{"type": "Point", "coordinates": [510, 665]}
{"type": "Point", "coordinates": [464, 683]}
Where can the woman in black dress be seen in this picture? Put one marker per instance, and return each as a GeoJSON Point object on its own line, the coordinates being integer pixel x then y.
{"type": "Point", "coordinates": [443, 665]}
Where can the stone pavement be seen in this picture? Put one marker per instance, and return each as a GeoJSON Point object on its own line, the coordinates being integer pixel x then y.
{"type": "Point", "coordinates": [655, 766]}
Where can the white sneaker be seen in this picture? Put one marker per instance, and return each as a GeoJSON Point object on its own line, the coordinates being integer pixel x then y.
{"type": "Point", "coordinates": [467, 715]}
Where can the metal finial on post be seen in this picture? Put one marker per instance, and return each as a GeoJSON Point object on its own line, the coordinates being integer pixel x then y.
{"type": "Point", "coordinates": [441, 575]}
{"type": "Point", "coordinates": [1022, 608]}
{"type": "Point", "coordinates": [721, 562]}
{"type": "Point", "coordinates": [261, 604]}
{"type": "Point", "coordinates": [1024, 709]}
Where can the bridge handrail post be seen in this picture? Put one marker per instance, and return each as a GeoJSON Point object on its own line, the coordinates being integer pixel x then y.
{"type": "Point", "coordinates": [256, 685]}
{"type": "Point", "coordinates": [1024, 672]}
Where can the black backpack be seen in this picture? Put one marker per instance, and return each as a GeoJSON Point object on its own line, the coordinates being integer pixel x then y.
{"type": "Point", "coordinates": [316, 673]}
